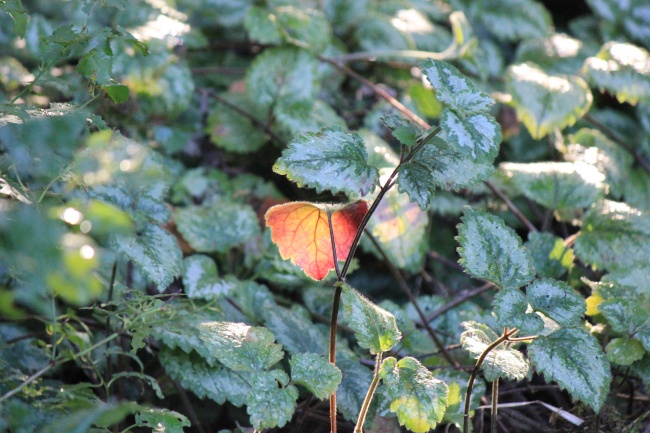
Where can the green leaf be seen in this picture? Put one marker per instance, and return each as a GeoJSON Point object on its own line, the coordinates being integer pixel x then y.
{"type": "Point", "coordinates": [284, 79]}
{"type": "Point", "coordinates": [558, 53]}
{"type": "Point", "coordinates": [202, 280]}
{"type": "Point", "coordinates": [354, 385]}
{"type": "Point", "coordinates": [573, 358]}
{"type": "Point", "coordinates": [624, 351]}
{"type": "Point", "coordinates": [416, 396]}
{"type": "Point", "coordinates": [117, 92]}
{"type": "Point", "coordinates": [217, 227]}
{"type": "Point", "coordinates": [404, 131]}
{"type": "Point", "coordinates": [289, 23]}
{"type": "Point", "coordinates": [476, 134]}
{"type": "Point", "coordinates": [550, 257]}
{"type": "Point", "coordinates": [270, 405]}
{"type": "Point", "coordinates": [556, 185]}
{"type": "Point", "coordinates": [627, 314]}
{"type": "Point", "coordinates": [455, 90]}
{"type": "Point", "coordinates": [166, 420]}
{"type": "Point", "coordinates": [512, 20]}
{"type": "Point", "coordinates": [214, 382]}
{"type": "Point", "coordinates": [557, 300]}
{"type": "Point", "coordinates": [233, 132]}
{"type": "Point", "coordinates": [630, 16]}
{"type": "Point", "coordinates": [374, 327]}
{"type": "Point", "coordinates": [614, 236]}
{"type": "Point", "coordinates": [18, 13]}
{"type": "Point", "coordinates": [621, 69]}
{"type": "Point", "coordinates": [510, 308]}
{"type": "Point", "coordinates": [439, 166]}
{"type": "Point", "coordinates": [546, 102]}
{"type": "Point", "coordinates": [331, 159]}
{"type": "Point", "coordinates": [241, 347]}
{"type": "Point", "coordinates": [97, 65]}
{"type": "Point", "coordinates": [294, 330]}
{"type": "Point", "coordinates": [400, 227]}
{"type": "Point", "coordinates": [376, 32]}
{"type": "Point", "coordinates": [155, 251]}
{"type": "Point", "coordinates": [316, 373]}
{"type": "Point", "coordinates": [81, 420]}
{"type": "Point", "coordinates": [492, 251]}
{"type": "Point", "coordinates": [502, 361]}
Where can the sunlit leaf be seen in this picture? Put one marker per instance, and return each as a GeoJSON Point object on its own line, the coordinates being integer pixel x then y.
{"type": "Point", "coordinates": [492, 251]}
{"type": "Point", "coordinates": [374, 327]}
{"type": "Point", "coordinates": [545, 102]}
{"type": "Point", "coordinates": [573, 358]}
{"type": "Point", "coordinates": [417, 397]}
{"type": "Point", "coordinates": [614, 236]}
{"type": "Point", "coordinates": [399, 226]}
{"type": "Point", "coordinates": [439, 166]}
{"type": "Point", "coordinates": [624, 351]}
{"type": "Point", "coordinates": [502, 361]}
{"type": "Point", "coordinates": [302, 232]}
{"type": "Point", "coordinates": [621, 69]}
{"type": "Point", "coordinates": [316, 373]}
{"type": "Point", "coordinates": [331, 159]}
{"type": "Point", "coordinates": [556, 185]}
{"type": "Point", "coordinates": [241, 347]}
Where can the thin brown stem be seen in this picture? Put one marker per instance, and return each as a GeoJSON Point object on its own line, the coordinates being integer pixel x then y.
{"type": "Point", "coordinates": [371, 392]}
{"type": "Point", "coordinates": [336, 260]}
{"type": "Point", "coordinates": [495, 400]}
{"type": "Point", "coordinates": [459, 300]}
{"type": "Point", "coordinates": [470, 384]}
{"type": "Point", "coordinates": [511, 206]}
{"type": "Point", "coordinates": [257, 123]}
{"type": "Point", "coordinates": [406, 289]}
{"type": "Point", "coordinates": [332, 352]}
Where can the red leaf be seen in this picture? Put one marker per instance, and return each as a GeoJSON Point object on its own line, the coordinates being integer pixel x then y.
{"type": "Point", "coordinates": [301, 232]}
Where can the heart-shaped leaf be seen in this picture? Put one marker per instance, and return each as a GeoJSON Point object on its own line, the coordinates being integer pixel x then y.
{"type": "Point", "coordinates": [302, 233]}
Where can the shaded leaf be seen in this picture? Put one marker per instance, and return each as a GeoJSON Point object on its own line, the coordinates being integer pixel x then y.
{"type": "Point", "coordinates": [155, 251]}
{"type": "Point", "coordinates": [573, 358]}
{"type": "Point", "coordinates": [232, 131]}
{"type": "Point", "coordinates": [294, 330]}
{"type": "Point", "coordinates": [545, 102]}
{"type": "Point", "coordinates": [18, 13]}
{"type": "Point", "coordinates": [316, 373]}
{"type": "Point", "coordinates": [502, 361]}
{"type": "Point", "coordinates": [550, 257]}
{"type": "Point", "coordinates": [201, 278]}
{"type": "Point", "coordinates": [630, 15]}
{"type": "Point", "coordinates": [166, 420]}
{"type": "Point", "coordinates": [557, 300]}
{"type": "Point", "coordinates": [477, 134]}
{"type": "Point", "coordinates": [217, 227]}
{"type": "Point", "coordinates": [417, 397]}
{"type": "Point", "coordinates": [492, 251]}
{"type": "Point", "coordinates": [301, 231]}
{"type": "Point", "coordinates": [193, 373]}
{"type": "Point", "coordinates": [510, 307]}
{"type": "Point", "coordinates": [621, 69]}
{"type": "Point", "coordinates": [374, 327]}
{"type": "Point", "coordinates": [271, 405]}
{"type": "Point", "coordinates": [241, 347]}
{"type": "Point", "coordinates": [354, 385]}
{"type": "Point", "coordinates": [331, 159]}
{"type": "Point", "coordinates": [117, 92]}
{"type": "Point", "coordinates": [404, 131]}
{"type": "Point", "coordinates": [624, 351]}
{"type": "Point", "coordinates": [513, 20]}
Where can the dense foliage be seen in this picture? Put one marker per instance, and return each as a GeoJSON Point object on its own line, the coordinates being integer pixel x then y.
{"type": "Point", "coordinates": [497, 154]}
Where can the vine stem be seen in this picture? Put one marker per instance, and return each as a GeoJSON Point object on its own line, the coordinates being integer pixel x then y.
{"type": "Point", "coordinates": [404, 286]}
{"type": "Point", "coordinates": [371, 392]}
{"type": "Point", "coordinates": [495, 406]}
{"type": "Point", "coordinates": [343, 273]}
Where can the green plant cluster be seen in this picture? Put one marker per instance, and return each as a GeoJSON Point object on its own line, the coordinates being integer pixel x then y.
{"type": "Point", "coordinates": [503, 149]}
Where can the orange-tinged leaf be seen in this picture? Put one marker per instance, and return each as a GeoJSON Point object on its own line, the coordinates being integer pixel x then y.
{"type": "Point", "coordinates": [301, 232]}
